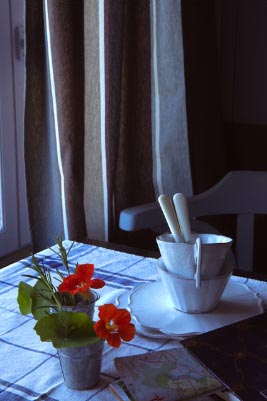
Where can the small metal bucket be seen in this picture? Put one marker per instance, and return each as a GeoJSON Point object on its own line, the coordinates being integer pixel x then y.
{"type": "Point", "coordinates": [85, 306]}
{"type": "Point", "coordinates": [81, 366]}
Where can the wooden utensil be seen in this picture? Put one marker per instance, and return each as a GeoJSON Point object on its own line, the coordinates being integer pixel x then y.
{"type": "Point", "coordinates": [169, 212]}
{"type": "Point", "coordinates": [181, 209]}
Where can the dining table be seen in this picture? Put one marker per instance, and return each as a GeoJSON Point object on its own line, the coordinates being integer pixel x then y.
{"type": "Point", "coordinates": [30, 369]}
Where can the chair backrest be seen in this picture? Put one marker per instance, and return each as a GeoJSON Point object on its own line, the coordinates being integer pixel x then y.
{"type": "Point", "coordinates": [241, 193]}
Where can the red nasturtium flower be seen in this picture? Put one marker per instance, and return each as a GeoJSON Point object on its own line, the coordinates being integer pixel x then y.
{"type": "Point", "coordinates": [114, 325]}
{"type": "Point", "coordinates": [81, 280]}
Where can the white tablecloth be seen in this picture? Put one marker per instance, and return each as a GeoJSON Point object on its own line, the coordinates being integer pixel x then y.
{"type": "Point", "coordinates": [29, 368]}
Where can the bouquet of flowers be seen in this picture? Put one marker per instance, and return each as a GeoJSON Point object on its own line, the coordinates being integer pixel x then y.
{"type": "Point", "coordinates": [58, 302]}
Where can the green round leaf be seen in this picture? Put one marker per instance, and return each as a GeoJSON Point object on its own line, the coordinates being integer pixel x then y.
{"type": "Point", "coordinates": [66, 329]}
{"type": "Point", "coordinates": [24, 298]}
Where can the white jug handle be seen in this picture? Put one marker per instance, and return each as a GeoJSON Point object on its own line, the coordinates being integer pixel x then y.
{"type": "Point", "coordinates": [198, 257]}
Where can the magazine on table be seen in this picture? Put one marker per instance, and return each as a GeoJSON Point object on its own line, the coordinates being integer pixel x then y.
{"type": "Point", "coordinates": [166, 375]}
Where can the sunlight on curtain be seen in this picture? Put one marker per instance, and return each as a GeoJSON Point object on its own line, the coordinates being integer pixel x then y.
{"type": "Point", "coordinates": [171, 165]}
{"type": "Point", "coordinates": [94, 176]}
{"type": "Point", "coordinates": [55, 114]}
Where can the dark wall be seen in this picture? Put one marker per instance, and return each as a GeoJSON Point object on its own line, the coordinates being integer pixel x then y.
{"type": "Point", "coordinates": [244, 95]}
{"type": "Point", "coordinates": [226, 87]}
{"type": "Point", "coordinates": [203, 94]}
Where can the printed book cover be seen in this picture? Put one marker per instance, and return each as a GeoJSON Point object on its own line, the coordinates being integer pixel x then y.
{"type": "Point", "coordinates": [169, 375]}
{"type": "Point", "coordinates": [237, 355]}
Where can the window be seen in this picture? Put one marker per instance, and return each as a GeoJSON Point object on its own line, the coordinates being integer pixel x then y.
{"type": "Point", "coordinates": [1, 196]}
{"type": "Point", "coordinates": [14, 226]}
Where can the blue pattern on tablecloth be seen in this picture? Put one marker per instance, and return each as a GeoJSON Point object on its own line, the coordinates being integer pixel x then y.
{"type": "Point", "coordinates": [29, 368]}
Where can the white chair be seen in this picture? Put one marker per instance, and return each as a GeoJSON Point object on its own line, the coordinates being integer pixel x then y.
{"type": "Point", "coordinates": [240, 193]}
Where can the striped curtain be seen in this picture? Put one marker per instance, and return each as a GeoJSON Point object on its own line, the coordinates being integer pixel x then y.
{"type": "Point", "coordinates": [54, 120]}
{"type": "Point", "coordinates": [105, 116]}
{"type": "Point", "coordinates": [171, 167]}
{"type": "Point", "coordinates": [141, 101]}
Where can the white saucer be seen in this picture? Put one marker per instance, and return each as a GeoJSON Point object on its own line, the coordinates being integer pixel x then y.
{"type": "Point", "coordinates": [152, 308]}
{"type": "Point", "coordinates": [122, 302]}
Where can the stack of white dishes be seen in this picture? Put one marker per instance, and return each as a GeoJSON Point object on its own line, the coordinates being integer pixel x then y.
{"type": "Point", "coordinates": [192, 268]}
{"type": "Point", "coordinates": [195, 273]}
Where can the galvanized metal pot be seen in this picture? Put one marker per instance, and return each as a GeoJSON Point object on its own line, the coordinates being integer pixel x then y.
{"type": "Point", "coordinates": [81, 366]}
{"type": "Point", "coordinates": [85, 306]}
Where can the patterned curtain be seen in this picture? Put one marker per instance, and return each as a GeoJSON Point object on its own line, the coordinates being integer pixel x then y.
{"type": "Point", "coordinates": [105, 119]}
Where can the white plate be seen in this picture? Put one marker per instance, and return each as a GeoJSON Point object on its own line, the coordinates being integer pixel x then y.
{"type": "Point", "coordinates": [122, 302]}
{"type": "Point", "coordinates": [152, 308]}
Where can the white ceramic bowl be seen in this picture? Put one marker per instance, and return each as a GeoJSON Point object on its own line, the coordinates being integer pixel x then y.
{"type": "Point", "coordinates": [181, 257]}
{"type": "Point", "coordinates": [184, 294]}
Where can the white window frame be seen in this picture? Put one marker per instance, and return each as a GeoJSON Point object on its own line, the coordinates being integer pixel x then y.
{"type": "Point", "coordinates": [15, 234]}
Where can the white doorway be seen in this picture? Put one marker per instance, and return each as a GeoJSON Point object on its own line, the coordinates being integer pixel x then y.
{"type": "Point", "coordinates": [14, 223]}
